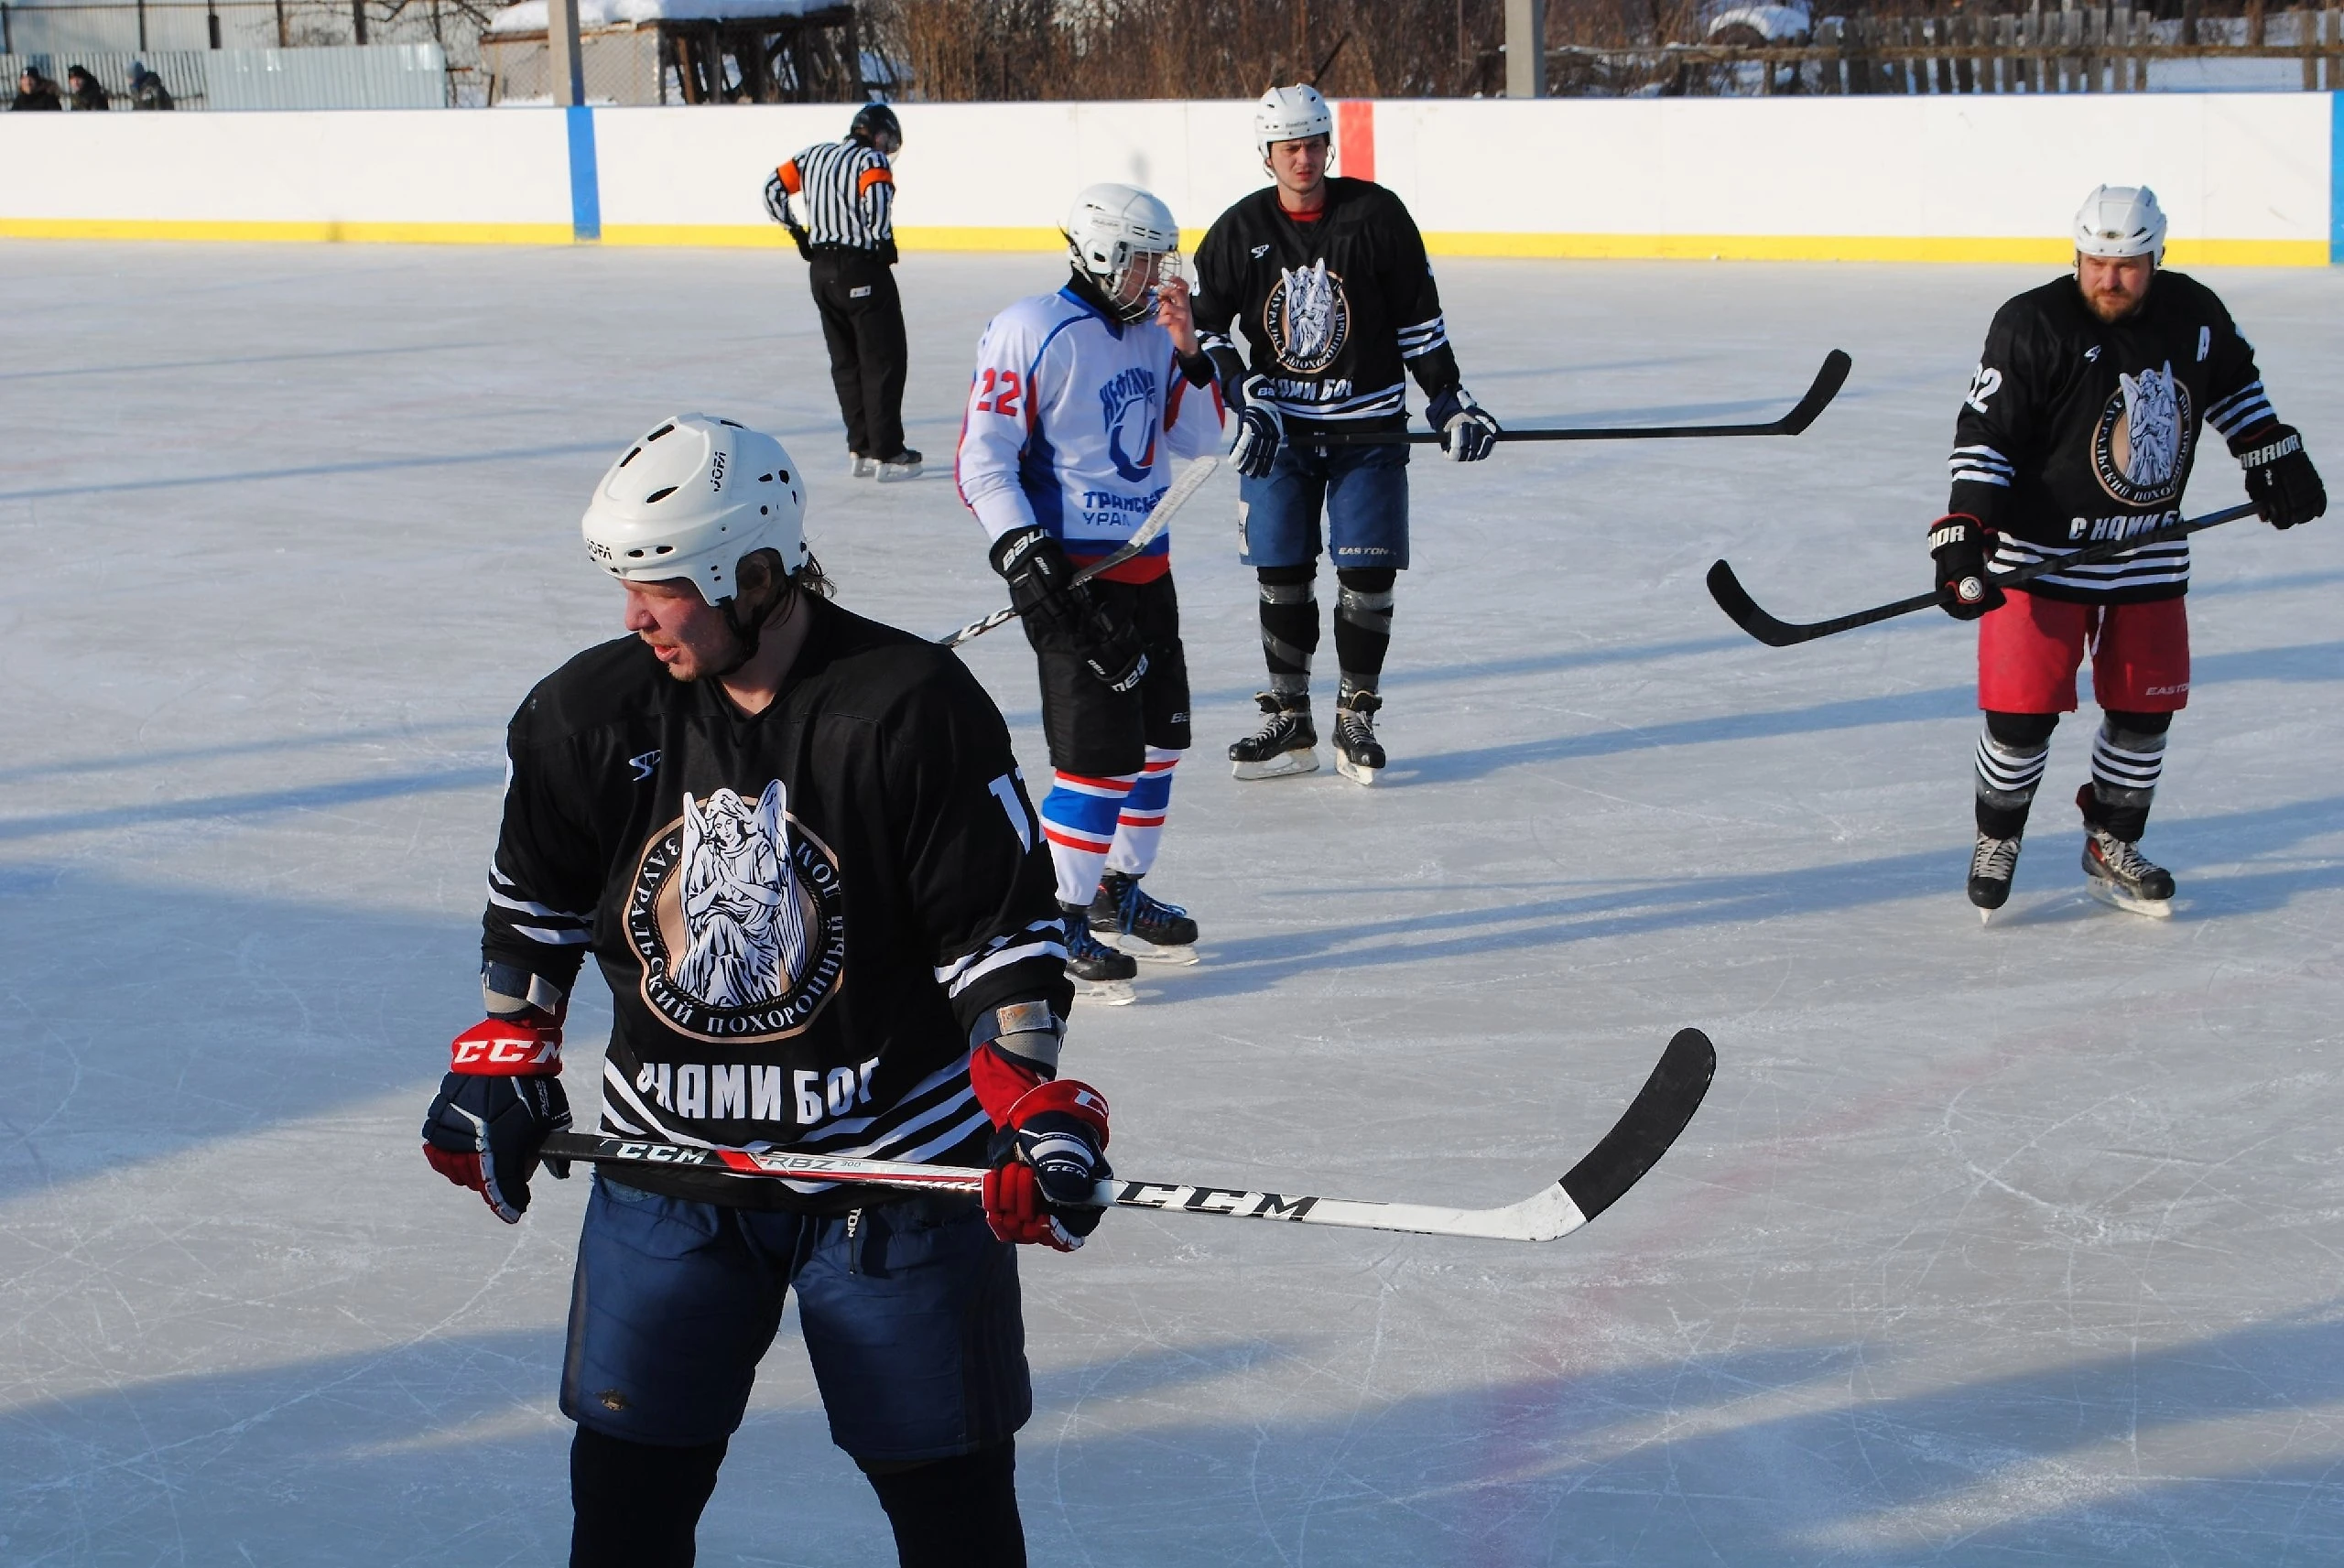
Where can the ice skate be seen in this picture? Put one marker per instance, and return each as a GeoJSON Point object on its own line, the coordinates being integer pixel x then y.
{"type": "Point", "coordinates": [2118, 874]}
{"type": "Point", "coordinates": [863, 466]}
{"type": "Point", "coordinates": [1141, 926]}
{"type": "Point", "coordinates": [904, 465]}
{"type": "Point", "coordinates": [1990, 865]}
{"type": "Point", "coordinates": [1359, 756]}
{"type": "Point", "coordinates": [1285, 745]}
{"type": "Point", "coordinates": [1100, 973]}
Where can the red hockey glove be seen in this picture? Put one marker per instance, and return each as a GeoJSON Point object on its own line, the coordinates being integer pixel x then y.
{"type": "Point", "coordinates": [1048, 1157]}
{"type": "Point", "coordinates": [1958, 543]}
{"type": "Point", "coordinates": [2280, 480]}
{"type": "Point", "coordinates": [499, 1102]}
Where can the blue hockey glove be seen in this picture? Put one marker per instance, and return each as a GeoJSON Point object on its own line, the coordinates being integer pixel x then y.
{"type": "Point", "coordinates": [1259, 431]}
{"type": "Point", "coordinates": [1468, 430]}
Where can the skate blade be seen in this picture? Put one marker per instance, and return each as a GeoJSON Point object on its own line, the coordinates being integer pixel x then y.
{"type": "Point", "coordinates": [895, 473]}
{"type": "Point", "coordinates": [1985, 917]}
{"type": "Point", "coordinates": [1285, 764]}
{"type": "Point", "coordinates": [1356, 774]}
{"type": "Point", "coordinates": [1148, 952]}
{"type": "Point", "coordinates": [2117, 898]}
{"type": "Point", "coordinates": [1106, 993]}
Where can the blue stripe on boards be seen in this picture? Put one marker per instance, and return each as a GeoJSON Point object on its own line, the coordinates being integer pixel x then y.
{"type": "Point", "coordinates": [2335, 174]}
{"type": "Point", "coordinates": [585, 180]}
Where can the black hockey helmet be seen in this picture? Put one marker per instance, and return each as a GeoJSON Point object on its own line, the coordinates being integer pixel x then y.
{"type": "Point", "coordinates": [874, 120]}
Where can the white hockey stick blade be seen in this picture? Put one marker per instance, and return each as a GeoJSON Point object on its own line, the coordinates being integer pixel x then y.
{"type": "Point", "coordinates": [1192, 480]}
{"type": "Point", "coordinates": [1644, 1133]}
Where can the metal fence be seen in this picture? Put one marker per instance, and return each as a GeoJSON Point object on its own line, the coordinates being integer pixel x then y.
{"type": "Point", "coordinates": [380, 76]}
{"type": "Point", "coordinates": [2102, 49]}
{"type": "Point", "coordinates": [96, 26]}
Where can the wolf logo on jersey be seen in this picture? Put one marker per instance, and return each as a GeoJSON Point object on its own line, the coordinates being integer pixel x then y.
{"type": "Point", "coordinates": [2139, 449]}
{"type": "Point", "coordinates": [737, 920]}
{"type": "Point", "coordinates": [1308, 318]}
{"type": "Point", "coordinates": [1128, 404]}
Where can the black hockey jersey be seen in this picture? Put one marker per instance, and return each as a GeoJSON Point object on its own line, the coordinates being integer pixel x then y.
{"type": "Point", "coordinates": [1330, 307]}
{"type": "Point", "coordinates": [2076, 430]}
{"type": "Point", "coordinates": [801, 915]}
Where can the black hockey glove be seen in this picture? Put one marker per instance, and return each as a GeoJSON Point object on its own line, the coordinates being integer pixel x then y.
{"type": "Point", "coordinates": [1958, 542]}
{"type": "Point", "coordinates": [1468, 431]}
{"type": "Point", "coordinates": [499, 1102]}
{"type": "Point", "coordinates": [1259, 431]}
{"type": "Point", "coordinates": [2280, 480]}
{"type": "Point", "coordinates": [1063, 614]}
{"type": "Point", "coordinates": [778, 208]}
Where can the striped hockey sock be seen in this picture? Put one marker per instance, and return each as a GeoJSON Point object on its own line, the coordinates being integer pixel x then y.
{"type": "Point", "coordinates": [1141, 826]}
{"type": "Point", "coordinates": [1079, 818]}
{"type": "Point", "coordinates": [2127, 760]}
{"type": "Point", "coordinates": [2008, 772]}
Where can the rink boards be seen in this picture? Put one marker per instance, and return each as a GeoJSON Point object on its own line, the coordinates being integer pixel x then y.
{"type": "Point", "coordinates": [2247, 179]}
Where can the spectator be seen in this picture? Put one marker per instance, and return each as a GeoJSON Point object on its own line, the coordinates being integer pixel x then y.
{"type": "Point", "coordinates": [146, 89]}
{"type": "Point", "coordinates": [35, 91]}
{"type": "Point", "coordinates": [87, 93]}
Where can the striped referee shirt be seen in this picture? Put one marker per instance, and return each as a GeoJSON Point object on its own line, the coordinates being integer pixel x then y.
{"type": "Point", "coordinates": [848, 191]}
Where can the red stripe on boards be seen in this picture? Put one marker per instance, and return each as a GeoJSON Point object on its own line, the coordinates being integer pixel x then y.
{"type": "Point", "coordinates": [1356, 138]}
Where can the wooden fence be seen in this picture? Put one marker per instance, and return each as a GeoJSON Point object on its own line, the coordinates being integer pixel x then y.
{"type": "Point", "coordinates": [2097, 49]}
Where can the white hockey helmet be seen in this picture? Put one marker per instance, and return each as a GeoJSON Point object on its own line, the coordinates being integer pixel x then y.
{"type": "Point", "coordinates": [1127, 241]}
{"type": "Point", "coordinates": [1289, 114]}
{"type": "Point", "coordinates": [2121, 220]}
{"type": "Point", "coordinates": [693, 497]}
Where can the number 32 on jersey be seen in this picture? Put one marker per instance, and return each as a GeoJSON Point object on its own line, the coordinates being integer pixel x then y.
{"type": "Point", "coordinates": [998, 393]}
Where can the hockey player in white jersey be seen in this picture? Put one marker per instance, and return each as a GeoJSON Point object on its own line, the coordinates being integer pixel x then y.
{"type": "Point", "coordinates": [1079, 403]}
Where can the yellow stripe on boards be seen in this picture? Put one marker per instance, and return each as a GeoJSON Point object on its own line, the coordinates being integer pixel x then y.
{"type": "Point", "coordinates": [1854, 248]}
{"type": "Point", "coordinates": [327, 231]}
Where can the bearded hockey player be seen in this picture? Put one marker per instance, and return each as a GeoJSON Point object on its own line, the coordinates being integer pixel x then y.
{"type": "Point", "coordinates": [2080, 425]}
{"type": "Point", "coordinates": [1328, 281]}
{"type": "Point", "coordinates": [796, 843]}
{"type": "Point", "coordinates": [1079, 407]}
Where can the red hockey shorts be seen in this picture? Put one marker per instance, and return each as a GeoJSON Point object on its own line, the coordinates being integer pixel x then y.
{"type": "Point", "coordinates": [2029, 649]}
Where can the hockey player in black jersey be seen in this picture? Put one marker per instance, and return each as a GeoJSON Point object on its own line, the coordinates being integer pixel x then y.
{"type": "Point", "coordinates": [1328, 281]}
{"type": "Point", "coordinates": [796, 843]}
{"type": "Point", "coordinates": [2080, 425]}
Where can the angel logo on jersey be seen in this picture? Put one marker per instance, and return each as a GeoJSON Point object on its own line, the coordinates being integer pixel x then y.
{"type": "Point", "coordinates": [2140, 450]}
{"type": "Point", "coordinates": [1128, 404]}
{"type": "Point", "coordinates": [738, 921]}
{"type": "Point", "coordinates": [1308, 317]}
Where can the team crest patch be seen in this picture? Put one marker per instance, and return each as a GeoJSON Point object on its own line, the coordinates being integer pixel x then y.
{"type": "Point", "coordinates": [2141, 448]}
{"type": "Point", "coordinates": [738, 920]}
{"type": "Point", "coordinates": [1308, 317]}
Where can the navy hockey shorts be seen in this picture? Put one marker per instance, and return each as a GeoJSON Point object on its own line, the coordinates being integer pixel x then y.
{"type": "Point", "coordinates": [912, 1321]}
{"type": "Point", "coordinates": [1102, 733]}
{"type": "Point", "coordinates": [1362, 491]}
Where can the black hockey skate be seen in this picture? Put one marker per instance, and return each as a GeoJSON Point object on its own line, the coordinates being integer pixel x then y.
{"type": "Point", "coordinates": [1284, 744]}
{"type": "Point", "coordinates": [1359, 756]}
{"type": "Point", "coordinates": [2118, 873]}
{"type": "Point", "coordinates": [901, 466]}
{"type": "Point", "coordinates": [1098, 971]}
{"type": "Point", "coordinates": [1990, 865]}
{"type": "Point", "coordinates": [1143, 927]}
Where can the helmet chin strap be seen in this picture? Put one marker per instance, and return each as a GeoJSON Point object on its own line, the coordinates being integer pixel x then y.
{"type": "Point", "coordinates": [746, 633]}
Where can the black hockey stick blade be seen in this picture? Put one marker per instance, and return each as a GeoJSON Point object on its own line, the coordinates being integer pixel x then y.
{"type": "Point", "coordinates": [1744, 611]}
{"type": "Point", "coordinates": [1653, 1118]}
{"type": "Point", "coordinates": [1828, 382]}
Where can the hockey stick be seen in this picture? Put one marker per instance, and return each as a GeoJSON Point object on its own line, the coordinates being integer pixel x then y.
{"type": "Point", "coordinates": [1187, 485]}
{"type": "Point", "coordinates": [1827, 382]}
{"type": "Point", "coordinates": [1640, 1137]}
{"type": "Point", "coordinates": [1735, 601]}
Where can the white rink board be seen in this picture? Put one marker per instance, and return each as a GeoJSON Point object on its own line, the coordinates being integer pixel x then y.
{"type": "Point", "coordinates": [2247, 178]}
{"type": "Point", "coordinates": [1991, 1248]}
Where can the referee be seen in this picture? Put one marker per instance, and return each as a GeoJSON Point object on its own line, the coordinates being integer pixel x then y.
{"type": "Point", "coordinates": [849, 242]}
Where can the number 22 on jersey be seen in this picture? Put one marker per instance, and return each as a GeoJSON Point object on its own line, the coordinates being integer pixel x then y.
{"type": "Point", "coordinates": [999, 393]}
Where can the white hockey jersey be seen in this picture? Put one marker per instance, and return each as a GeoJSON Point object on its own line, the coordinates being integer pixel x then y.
{"type": "Point", "coordinates": [1073, 421]}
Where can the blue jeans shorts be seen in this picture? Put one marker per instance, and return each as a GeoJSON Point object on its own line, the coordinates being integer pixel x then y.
{"type": "Point", "coordinates": [912, 1321]}
{"type": "Point", "coordinates": [1362, 491]}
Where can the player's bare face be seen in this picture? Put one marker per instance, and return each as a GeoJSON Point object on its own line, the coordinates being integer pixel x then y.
{"type": "Point", "coordinates": [2114, 285]}
{"type": "Point", "coordinates": [1300, 169]}
{"type": "Point", "coordinates": [688, 634]}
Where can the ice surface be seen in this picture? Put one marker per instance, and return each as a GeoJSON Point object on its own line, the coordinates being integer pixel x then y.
{"type": "Point", "coordinates": [2015, 1245]}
